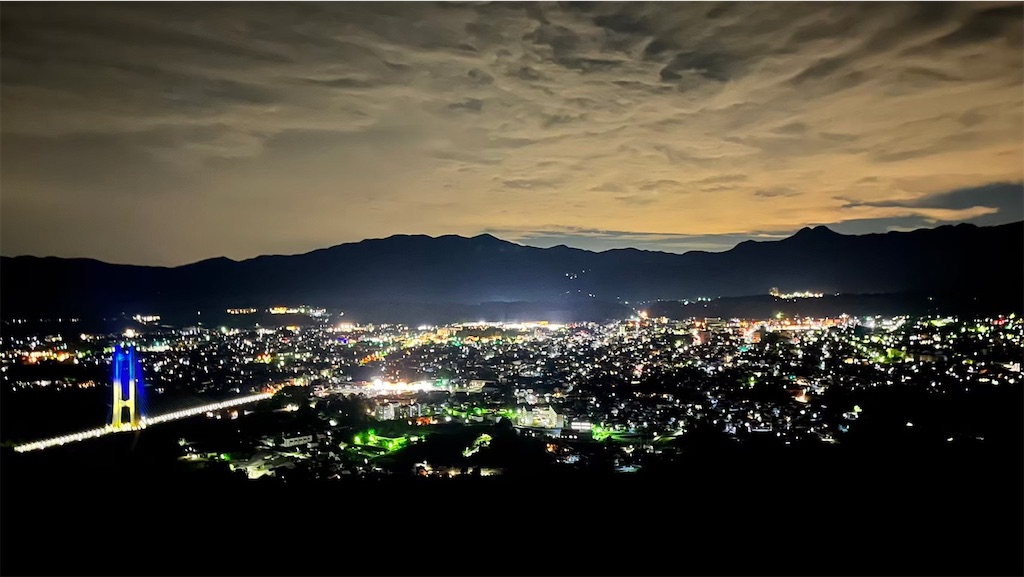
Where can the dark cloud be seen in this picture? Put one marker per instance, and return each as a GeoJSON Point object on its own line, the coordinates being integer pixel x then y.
{"type": "Point", "coordinates": [710, 65]}
{"type": "Point", "coordinates": [775, 192]}
{"type": "Point", "coordinates": [1006, 201]}
{"type": "Point", "coordinates": [625, 22]}
{"type": "Point", "coordinates": [724, 178]}
{"type": "Point", "coordinates": [589, 64]}
{"type": "Point", "coordinates": [608, 187]}
{"type": "Point", "coordinates": [1006, 198]}
{"type": "Point", "coordinates": [480, 77]}
{"type": "Point", "coordinates": [657, 47]}
{"type": "Point", "coordinates": [471, 105]}
{"type": "Point", "coordinates": [341, 82]}
{"type": "Point", "coordinates": [792, 128]}
{"type": "Point", "coordinates": [527, 73]}
{"type": "Point", "coordinates": [556, 119]}
{"type": "Point", "coordinates": [529, 183]}
{"type": "Point", "coordinates": [828, 67]}
{"type": "Point", "coordinates": [663, 185]}
{"type": "Point", "coordinates": [965, 140]}
{"type": "Point", "coordinates": [996, 22]}
{"type": "Point", "coordinates": [919, 75]}
{"type": "Point", "coordinates": [637, 199]}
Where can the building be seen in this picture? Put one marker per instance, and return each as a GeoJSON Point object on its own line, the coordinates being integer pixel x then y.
{"type": "Point", "coordinates": [296, 441]}
{"type": "Point", "coordinates": [385, 411]}
{"type": "Point", "coordinates": [581, 426]}
{"type": "Point", "coordinates": [540, 420]}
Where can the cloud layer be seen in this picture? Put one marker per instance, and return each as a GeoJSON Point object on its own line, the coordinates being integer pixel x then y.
{"type": "Point", "coordinates": [164, 133]}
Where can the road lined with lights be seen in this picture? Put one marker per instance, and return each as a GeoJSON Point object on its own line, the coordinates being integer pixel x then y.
{"type": "Point", "coordinates": [145, 422]}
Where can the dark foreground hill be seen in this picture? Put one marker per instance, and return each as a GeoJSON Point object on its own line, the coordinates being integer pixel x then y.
{"type": "Point", "coordinates": [885, 500]}
{"type": "Point", "coordinates": [875, 511]}
{"type": "Point", "coordinates": [469, 276]}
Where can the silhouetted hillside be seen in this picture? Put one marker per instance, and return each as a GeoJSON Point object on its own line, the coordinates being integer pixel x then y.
{"type": "Point", "coordinates": [416, 276]}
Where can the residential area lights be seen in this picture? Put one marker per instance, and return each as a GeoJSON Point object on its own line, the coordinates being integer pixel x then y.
{"type": "Point", "coordinates": [634, 387]}
{"type": "Point", "coordinates": [795, 295]}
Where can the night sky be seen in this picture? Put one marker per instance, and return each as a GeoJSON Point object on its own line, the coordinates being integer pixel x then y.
{"type": "Point", "coordinates": [164, 133]}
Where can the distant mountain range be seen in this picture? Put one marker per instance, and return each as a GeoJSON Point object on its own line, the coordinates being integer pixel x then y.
{"type": "Point", "coordinates": [483, 273]}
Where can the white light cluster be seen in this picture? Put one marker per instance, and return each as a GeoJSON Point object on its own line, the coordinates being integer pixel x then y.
{"type": "Point", "coordinates": [63, 439]}
{"type": "Point", "coordinates": [204, 408]}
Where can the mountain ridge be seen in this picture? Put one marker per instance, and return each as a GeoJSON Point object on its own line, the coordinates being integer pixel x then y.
{"type": "Point", "coordinates": [452, 269]}
{"type": "Point", "coordinates": [802, 231]}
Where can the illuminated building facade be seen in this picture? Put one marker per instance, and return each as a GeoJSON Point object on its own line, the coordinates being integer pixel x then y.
{"type": "Point", "coordinates": [539, 418]}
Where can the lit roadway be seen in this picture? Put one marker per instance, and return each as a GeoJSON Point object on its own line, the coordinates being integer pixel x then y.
{"type": "Point", "coordinates": [144, 422]}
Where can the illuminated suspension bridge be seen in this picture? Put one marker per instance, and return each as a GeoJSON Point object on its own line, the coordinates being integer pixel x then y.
{"type": "Point", "coordinates": [128, 403]}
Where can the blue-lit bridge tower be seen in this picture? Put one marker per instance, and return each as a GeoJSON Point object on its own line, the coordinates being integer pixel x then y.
{"type": "Point", "coordinates": [126, 410]}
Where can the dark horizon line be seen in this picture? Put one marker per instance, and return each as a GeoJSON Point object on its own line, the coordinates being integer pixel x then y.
{"type": "Point", "coordinates": [820, 227]}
